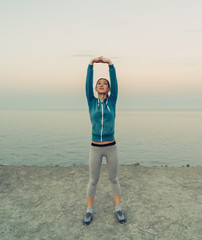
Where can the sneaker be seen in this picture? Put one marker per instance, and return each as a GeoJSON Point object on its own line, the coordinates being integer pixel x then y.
{"type": "Point", "coordinates": [121, 218]}
{"type": "Point", "coordinates": [87, 218]}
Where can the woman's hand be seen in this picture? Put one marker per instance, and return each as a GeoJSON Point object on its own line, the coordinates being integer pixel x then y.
{"type": "Point", "coordinates": [101, 59]}
{"type": "Point", "coordinates": [96, 60]}
{"type": "Point", "coordinates": [106, 60]}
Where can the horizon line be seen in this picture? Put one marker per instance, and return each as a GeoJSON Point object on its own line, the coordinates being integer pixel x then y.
{"type": "Point", "coordinates": [121, 109]}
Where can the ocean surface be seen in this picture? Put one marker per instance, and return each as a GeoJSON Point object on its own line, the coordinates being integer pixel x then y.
{"type": "Point", "coordinates": [150, 138]}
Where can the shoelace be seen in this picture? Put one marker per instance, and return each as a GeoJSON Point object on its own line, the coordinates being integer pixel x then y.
{"type": "Point", "coordinates": [120, 216]}
{"type": "Point", "coordinates": [87, 217]}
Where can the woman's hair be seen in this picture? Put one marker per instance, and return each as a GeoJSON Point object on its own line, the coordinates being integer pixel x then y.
{"type": "Point", "coordinates": [107, 83]}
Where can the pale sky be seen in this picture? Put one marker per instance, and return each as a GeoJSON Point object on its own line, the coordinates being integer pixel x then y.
{"type": "Point", "coordinates": [46, 46]}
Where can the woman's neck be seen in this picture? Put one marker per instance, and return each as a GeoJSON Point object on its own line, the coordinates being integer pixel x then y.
{"type": "Point", "coordinates": [102, 96]}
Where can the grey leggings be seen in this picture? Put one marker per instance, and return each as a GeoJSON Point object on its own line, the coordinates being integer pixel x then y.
{"type": "Point", "coordinates": [95, 162]}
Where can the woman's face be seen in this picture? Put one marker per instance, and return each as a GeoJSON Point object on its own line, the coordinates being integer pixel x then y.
{"type": "Point", "coordinates": [102, 86]}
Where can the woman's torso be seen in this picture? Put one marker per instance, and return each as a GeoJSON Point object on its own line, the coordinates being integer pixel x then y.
{"type": "Point", "coordinates": [102, 114]}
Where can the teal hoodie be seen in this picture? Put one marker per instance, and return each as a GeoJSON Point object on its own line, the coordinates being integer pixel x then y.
{"type": "Point", "coordinates": [102, 113]}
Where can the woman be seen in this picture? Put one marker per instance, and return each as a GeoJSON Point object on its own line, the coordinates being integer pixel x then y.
{"type": "Point", "coordinates": [102, 111]}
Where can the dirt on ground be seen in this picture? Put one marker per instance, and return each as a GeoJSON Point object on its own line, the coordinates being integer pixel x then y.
{"type": "Point", "coordinates": [48, 203]}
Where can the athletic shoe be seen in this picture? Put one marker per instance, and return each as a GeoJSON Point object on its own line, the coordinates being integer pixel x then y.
{"type": "Point", "coordinates": [121, 218]}
{"type": "Point", "coordinates": [87, 218]}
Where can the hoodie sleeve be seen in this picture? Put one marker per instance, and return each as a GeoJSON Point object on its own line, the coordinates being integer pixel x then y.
{"type": "Point", "coordinates": [89, 83]}
{"type": "Point", "coordinates": [113, 82]}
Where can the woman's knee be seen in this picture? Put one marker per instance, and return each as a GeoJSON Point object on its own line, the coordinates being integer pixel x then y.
{"type": "Point", "coordinates": [114, 180]}
{"type": "Point", "coordinates": [93, 181]}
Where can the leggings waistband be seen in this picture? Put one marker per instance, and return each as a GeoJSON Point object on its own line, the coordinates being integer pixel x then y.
{"type": "Point", "coordinates": [103, 145]}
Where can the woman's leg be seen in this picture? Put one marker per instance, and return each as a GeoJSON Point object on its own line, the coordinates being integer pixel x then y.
{"type": "Point", "coordinates": [117, 199]}
{"type": "Point", "coordinates": [112, 165]}
{"type": "Point", "coordinates": [90, 201]}
{"type": "Point", "coordinates": [112, 162]}
{"type": "Point", "coordinates": [95, 162]}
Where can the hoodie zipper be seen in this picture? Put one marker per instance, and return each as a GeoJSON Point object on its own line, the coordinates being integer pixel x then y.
{"type": "Point", "coordinates": [102, 122]}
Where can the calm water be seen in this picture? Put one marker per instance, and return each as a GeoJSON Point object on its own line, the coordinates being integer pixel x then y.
{"type": "Point", "coordinates": [63, 137]}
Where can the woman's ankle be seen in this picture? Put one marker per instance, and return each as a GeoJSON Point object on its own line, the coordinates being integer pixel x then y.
{"type": "Point", "coordinates": [90, 210]}
{"type": "Point", "coordinates": [118, 208]}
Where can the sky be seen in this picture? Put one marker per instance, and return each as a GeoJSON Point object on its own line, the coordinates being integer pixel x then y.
{"type": "Point", "coordinates": [46, 46]}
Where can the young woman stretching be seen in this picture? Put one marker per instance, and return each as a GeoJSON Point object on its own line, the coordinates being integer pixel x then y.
{"type": "Point", "coordinates": [102, 111]}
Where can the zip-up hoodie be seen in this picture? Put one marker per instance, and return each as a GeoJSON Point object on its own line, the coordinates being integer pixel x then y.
{"type": "Point", "coordinates": [102, 113]}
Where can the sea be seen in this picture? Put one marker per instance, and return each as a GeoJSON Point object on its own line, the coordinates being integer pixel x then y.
{"type": "Point", "coordinates": [63, 137]}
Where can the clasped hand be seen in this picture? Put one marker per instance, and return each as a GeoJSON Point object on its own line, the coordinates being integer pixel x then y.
{"type": "Point", "coordinates": [101, 59]}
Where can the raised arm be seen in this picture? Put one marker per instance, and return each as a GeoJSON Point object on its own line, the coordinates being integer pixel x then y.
{"type": "Point", "coordinates": [89, 83]}
{"type": "Point", "coordinates": [89, 78]}
{"type": "Point", "coordinates": [113, 78]}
